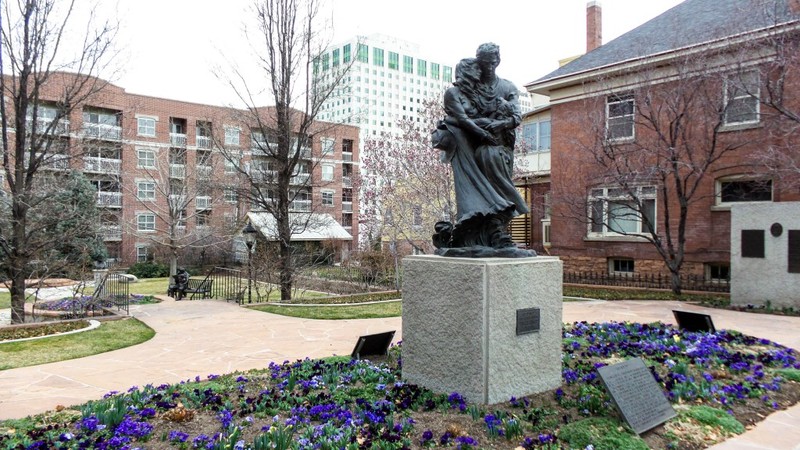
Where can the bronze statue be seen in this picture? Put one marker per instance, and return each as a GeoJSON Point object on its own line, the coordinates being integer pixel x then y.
{"type": "Point", "coordinates": [477, 138]}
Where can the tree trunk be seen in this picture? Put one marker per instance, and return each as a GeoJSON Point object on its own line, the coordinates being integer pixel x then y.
{"type": "Point", "coordinates": [675, 282]}
{"type": "Point", "coordinates": [286, 269]}
{"type": "Point", "coordinates": [17, 296]}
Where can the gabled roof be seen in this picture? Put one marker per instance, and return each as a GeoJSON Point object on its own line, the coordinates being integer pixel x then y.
{"type": "Point", "coordinates": [691, 23]}
{"type": "Point", "coordinates": [317, 226]}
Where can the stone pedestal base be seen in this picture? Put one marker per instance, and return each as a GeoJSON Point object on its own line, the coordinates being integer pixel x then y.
{"type": "Point", "coordinates": [462, 319]}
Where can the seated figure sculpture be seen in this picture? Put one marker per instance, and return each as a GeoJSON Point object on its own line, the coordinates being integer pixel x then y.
{"type": "Point", "coordinates": [477, 138]}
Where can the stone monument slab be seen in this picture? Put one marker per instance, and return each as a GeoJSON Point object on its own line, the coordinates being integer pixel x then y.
{"type": "Point", "coordinates": [636, 394]}
{"type": "Point", "coordinates": [461, 325]}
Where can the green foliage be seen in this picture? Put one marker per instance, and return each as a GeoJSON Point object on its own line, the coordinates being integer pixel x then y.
{"type": "Point", "coordinates": [602, 433]}
{"type": "Point", "coordinates": [715, 418]}
{"type": "Point", "coordinates": [789, 374]}
{"type": "Point", "coordinates": [149, 269]}
{"type": "Point", "coordinates": [610, 293]}
{"type": "Point", "coordinates": [353, 298]}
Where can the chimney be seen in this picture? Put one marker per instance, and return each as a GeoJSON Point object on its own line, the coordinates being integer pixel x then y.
{"type": "Point", "coordinates": [594, 25]}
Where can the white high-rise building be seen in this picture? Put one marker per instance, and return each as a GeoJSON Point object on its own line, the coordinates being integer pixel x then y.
{"type": "Point", "coordinates": [387, 81]}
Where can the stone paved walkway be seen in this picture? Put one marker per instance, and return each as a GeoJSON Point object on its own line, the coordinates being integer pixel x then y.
{"type": "Point", "coordinates": [213, 337]}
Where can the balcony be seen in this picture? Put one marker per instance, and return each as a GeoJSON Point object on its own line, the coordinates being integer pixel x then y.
{"type": "Point", "coordinates": [260, 176]}
{"type": "Point", "coordinates": [102, 165]}
{"type": "Point", "coordinates": [347, 181]}
{"type": "Point", "coordinates": [102, 131]}
{"type": "Point", "coordinates": [177, 139]}
{"type": "Point", "coordinates": [300, 205]}
{"type": "Point", "coordinates": [347, 207]}
{"type": "Point", "coordinates": [347, 157]}
{"type": "Point", "coordinates": [111, 232]}
{"type": "Point", "coordinates": [177, 201]}
{"type": "Point", "coordinates": [300, 179]}
{"type": "Point", "coordinates": [177, 170]}
{"type": "Point", "coordinates": [305, 152]}
{"type": "Point", "coordinates": [42, 124]}
{"type": "Point", "coordinates": [202, 202]}
{"type": "Point", "coordinates": [51, 162]}
{"type": "Point", "coordinates": [109, 199]}
{"type": "Point", "coordinates": [203, 141]}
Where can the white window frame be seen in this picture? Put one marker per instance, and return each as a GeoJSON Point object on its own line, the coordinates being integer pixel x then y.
{"type": "Point", "coordinates": [328, 194]}
{"type": "Point", "coordinates": [618, 99]}
{"type": "Point", "coordinates": [718, 201]}
{"type": "Point", "coordinates": [738, 88]}
{"type": "Point", "coordinates": [146, 126]}
{"type": "Point", "coordinates": [146, 190]}
{"type": "Point", "coordinates": [618, 196]}
{"type": "Point", "coordinates": [536, 146]}
{"type": "Point", "coordinates": [142, 252]}
{"type": "Point", "coordinates": [232, 136]}
{"type": "Point", "coordinates": [229, 195]}
{"type": "Point", "coordinates": [142, 161]}
{"type": "Point", "coordinates": [327, 172]}
{"type": "Point", "coordinates": [146, 222]}
{"type": "Point", "coordinates": [327, 146]}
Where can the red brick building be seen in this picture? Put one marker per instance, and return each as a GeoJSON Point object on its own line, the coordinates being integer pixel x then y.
{"type": "Point", "coordinates": [672, 121]}
{"type": "Point", "coordinates": [147, 156]}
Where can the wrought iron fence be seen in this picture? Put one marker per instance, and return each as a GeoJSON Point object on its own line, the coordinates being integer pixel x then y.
{"type": "Point", "coordinates": [651, 281]}
{"type": "Point", "coordinates": [113, 291]}
{"type": "Point", "coordinates": [229, 284]}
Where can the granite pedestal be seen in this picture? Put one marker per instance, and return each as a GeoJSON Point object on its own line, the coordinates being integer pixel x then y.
{"type": "Point", "coordinates": [462, 319]}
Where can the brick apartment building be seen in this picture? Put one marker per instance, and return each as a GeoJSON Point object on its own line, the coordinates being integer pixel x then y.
{"type": "Point", "coordinates": [147, 155]}
{"type": "Point", "coordinates": [686, 101]}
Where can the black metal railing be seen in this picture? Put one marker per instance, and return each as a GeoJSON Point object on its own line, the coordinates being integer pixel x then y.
{"type": "Point", "coordinates": [113, 291]}
{"type": "Point", "coordinates": [229, 284]}
{"type": "Point", "coordinates": [647, 281]}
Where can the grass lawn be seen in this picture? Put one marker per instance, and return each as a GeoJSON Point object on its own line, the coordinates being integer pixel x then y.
{"type": "Point", "coordinates": [371, 311]}
{"type": "Point", "coordinates": [111, 335]}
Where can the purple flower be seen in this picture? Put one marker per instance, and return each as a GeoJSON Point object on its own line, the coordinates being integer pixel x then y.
{"type": "Point", "coordinates": [177, 436]}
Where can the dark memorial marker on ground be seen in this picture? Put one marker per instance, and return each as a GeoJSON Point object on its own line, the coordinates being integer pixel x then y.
{"type": "Point", "coordinates": [695, 322]}
{"type": "Point", "coordinates": [372, 345]}
{"type": "Point", "coordinates": [636, 394]}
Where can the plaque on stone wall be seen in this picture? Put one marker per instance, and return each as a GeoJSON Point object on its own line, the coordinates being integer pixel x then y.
{"type": "Point", "coordinates": [372, 345]}
{"type": "Point", "coordinates": [527, 321]}
{"type": "Point", "coordinates": [691, 321]}
{"type": "Point", "coordinates": [752, 243]}
{"type": "Point", "coordinates": [636, 394]}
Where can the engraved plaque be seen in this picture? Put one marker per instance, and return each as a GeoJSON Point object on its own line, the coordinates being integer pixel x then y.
{"type": "Point", "coordinates": [527, 321]}
{"type": "Point", "coordinates": [794, 251]}
{"type": "Point", "coordinates": [638, 397]}
{"type": "Point", "coordinates": [372, 345]}
{"type": "Point", "coordinates": [691, 321]}
{"type": "Point", "coordinates": [752, 243]}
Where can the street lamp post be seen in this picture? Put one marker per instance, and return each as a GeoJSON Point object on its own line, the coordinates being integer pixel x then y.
{"type": "Point", "coordinates": [250, 241]}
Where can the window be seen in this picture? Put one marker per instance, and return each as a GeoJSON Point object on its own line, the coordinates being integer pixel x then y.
{"type": "Point", "coordinates": [718, 272]}
{"type": "Point", "coordinates": [736, 190]}
{"type": "Point", "coordinates": [416, 216]}
{"type": "Point", "coordinates": [435, 71]}
{"type": "Point", "coordinates": [742, 98]}
{"type": "Point", "coordinates": [377, 56]}
{"type": "Point", "coordinates": [231, 136]}
{"type": "Point", "coordinates": [181, 219]}
{"type": "Point", "coordinates": [346, 53]}
{"type": "Point", "coordinates": [408, 64]}
{"type": "Point", "coordinates": [619, 117]}
{"type": "Point", "coordinates": [326, 62]}
{"type": "Point", "coordinates": [230, 166]}
{"type": "Point", "coordinates": [327, 146]}
{"type": "Point", "coordinates": [146, 190]}
{"type": "Point", "coordinates": [363, 53]}
{"type": "Point", "coordinates": [620, 266]}
{"type": "Point", "coordinates": [146, 158]}
{"type": "Point", "coordinates": [335, 57]}
{"type": "Point", "coordinates": [536, 137]}
{"type": "Point", "coordinates": [229, 195]}
{"type": "Point", "coordinates": [203, 218]}
{"type": "Point", "coordinates": [146, 222]}
{"type": "Point", "coordinates": [447, 73]}
{"type": "Point", "coordinates": [347, 220]}
{"type": "Point", "coordinates": [327, 172]}
{"type": "Point", "coordinates": [394, 60]}
{"type": "Point", "coordinates": [327, 198]}
{"type": "Point", "coordinates": [617, 211]}
{"type": "Point", "coordinates": [146, 126]}
{"type": "Point", "coordinates": [422, 67]}
{"type": "Point", "coordinates": [142, 253]}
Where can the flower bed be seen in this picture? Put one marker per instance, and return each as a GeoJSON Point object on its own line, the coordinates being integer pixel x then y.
{"type": "Point", "coordinates": [717, 382]}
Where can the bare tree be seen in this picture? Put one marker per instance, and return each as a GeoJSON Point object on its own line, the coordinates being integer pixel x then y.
{"type": "Point", "coordinates": [286, 45]}
{"type": "Point", "coordinates": [406, 189]}
{"type": "Point", "coordinates": [36, 105]}
{"type": "Point", "coordinates": [651, 153]}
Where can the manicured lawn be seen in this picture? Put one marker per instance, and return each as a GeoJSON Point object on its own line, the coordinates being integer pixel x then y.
{"type": "Point", "coordinates": [111, 335]}
{"type": "Point", "coordinates": [371, 311]}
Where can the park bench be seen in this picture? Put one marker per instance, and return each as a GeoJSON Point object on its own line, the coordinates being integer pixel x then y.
{"type": "Point", "coordinates": [196, 286]}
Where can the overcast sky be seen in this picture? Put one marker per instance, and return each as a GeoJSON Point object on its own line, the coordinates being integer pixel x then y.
{"type": "Point", "coordinates": [169, 46]}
